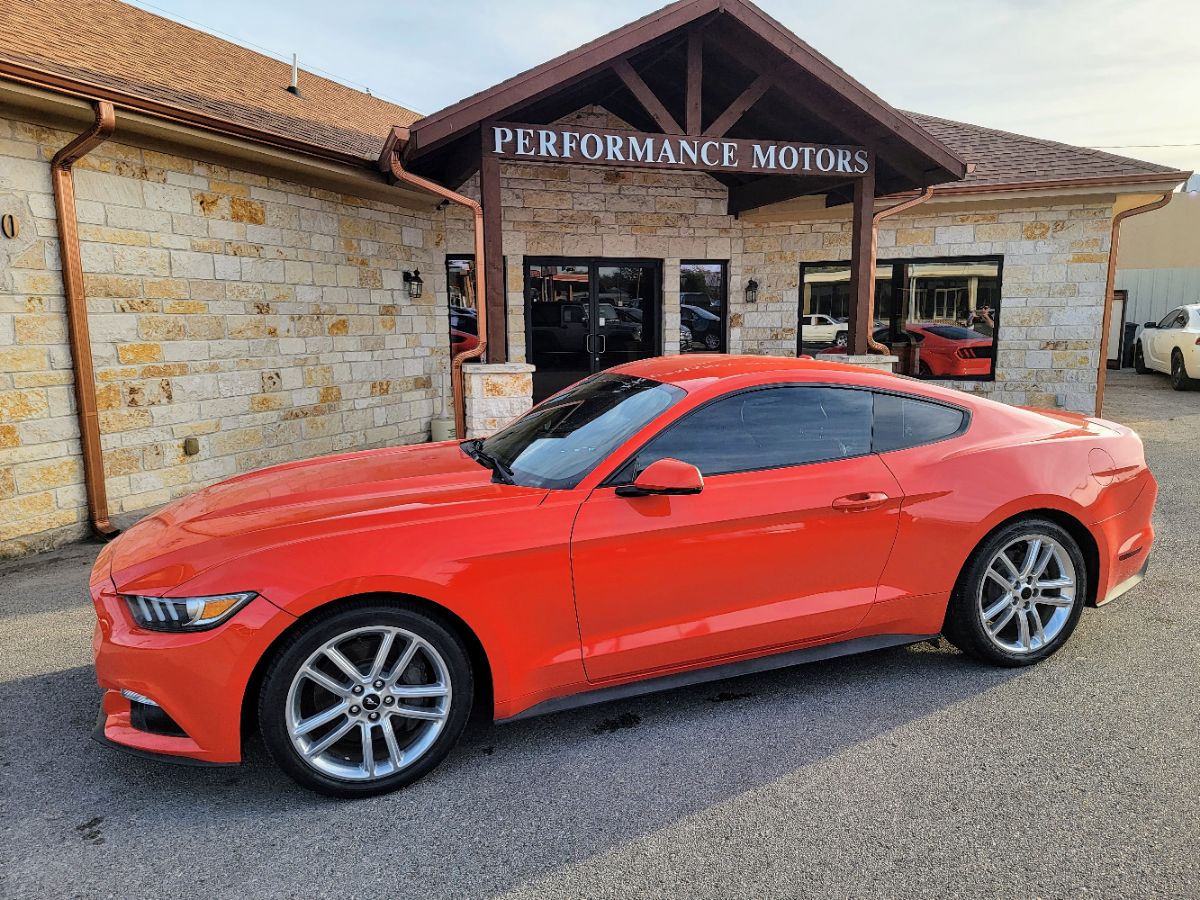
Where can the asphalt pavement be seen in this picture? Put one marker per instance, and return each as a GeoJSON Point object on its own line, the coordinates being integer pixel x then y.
{"type": "Point", "coordinates": [910, 772]}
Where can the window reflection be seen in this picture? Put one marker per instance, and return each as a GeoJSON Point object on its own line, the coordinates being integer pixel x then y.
{"type": "Point", "coordinates": [939, 316]}
{"type": "Point", "coordinates": [702, 307]}
{"type": "Point", "coordinates": [464, 318]}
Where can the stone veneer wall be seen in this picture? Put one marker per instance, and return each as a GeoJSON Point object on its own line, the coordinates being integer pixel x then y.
{"type": "Point", "coordinates": [1053, 282]}
{"type": "Point", "coordinates": [266, 318]}
{"type": "Point", "coordinates": [269, 319]}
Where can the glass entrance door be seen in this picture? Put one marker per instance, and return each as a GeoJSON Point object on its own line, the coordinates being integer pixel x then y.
{"type": "Point", "coordinates": [584, 315]}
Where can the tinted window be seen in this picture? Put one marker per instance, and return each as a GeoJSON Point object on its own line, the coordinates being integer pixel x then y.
{"type": "Point", "coordinates": [905, 422]}
{"type": "Point", "coordinates": [765, 429]}
{"type": "Point", "coordinates": [1168, 319]}
{"type": "Point", "coordinates": [559, 441]}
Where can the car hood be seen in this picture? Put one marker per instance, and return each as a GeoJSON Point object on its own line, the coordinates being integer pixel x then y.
{"type": "Point", "coordinates": [300, 501]}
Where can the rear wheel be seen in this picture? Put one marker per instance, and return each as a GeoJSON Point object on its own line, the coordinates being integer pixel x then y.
{"type": "Point", "coordinates": [1020, 595]}
{"type": "Point", "coordinates": [1179, 376]}
{"type": "Point", "coordinates": [366, 701]}
{"type": "Point", "coordinates": [1139, 360]}
{"type": "Point", "coordinates": [923, 369]}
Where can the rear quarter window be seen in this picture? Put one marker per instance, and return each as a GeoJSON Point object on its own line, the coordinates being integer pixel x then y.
{"type": "Point", "coordinates": [902, 422]}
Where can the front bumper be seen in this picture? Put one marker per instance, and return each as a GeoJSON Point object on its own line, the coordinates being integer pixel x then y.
{"type": "Point", "coordinates": [199, 680]}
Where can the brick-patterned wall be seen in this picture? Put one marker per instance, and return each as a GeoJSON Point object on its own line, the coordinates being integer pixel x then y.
{"type": "Point", "coordinates": [1054, 266]}
{"type": "Point", "coordinates": [1052, 297]}
{"type": "Point", "coordinates": [268, 319]}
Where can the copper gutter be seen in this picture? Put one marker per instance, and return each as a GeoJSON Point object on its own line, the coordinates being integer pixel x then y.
{"type": "Point", "coordinates": [392, 159]}
{"type": "Point", "coordinates": [92, 92]}
{"type": "Point", "coordinates": [63, 180]}
{"type": "Point", "coordinates": [873, 344]}
{"type": "Point", "coordinates": [1110, 283]}
{"type": "Point", "coordinates": [959, 190]}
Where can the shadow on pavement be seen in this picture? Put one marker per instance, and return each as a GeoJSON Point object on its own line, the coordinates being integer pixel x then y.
{"type": "Point", "coordinates": [537, 794]}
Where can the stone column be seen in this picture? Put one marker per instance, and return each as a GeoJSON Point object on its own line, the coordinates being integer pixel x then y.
{"type": "Point", "coordinates": [496, 393]}
{"type": "Point", "coordinates": [870, 360]}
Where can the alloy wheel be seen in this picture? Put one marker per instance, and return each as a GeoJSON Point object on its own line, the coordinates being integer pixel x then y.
{"type": "Point", "coordinates": [1027, 594]}
{"type": "Point", "coordinates": [368, 703]}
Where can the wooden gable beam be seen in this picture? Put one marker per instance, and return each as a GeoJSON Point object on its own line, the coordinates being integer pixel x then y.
{"type": "Point", "coordinates": [695, 79]}
{"type": "Point", "coordinates": [740, 106]}
{"type": "Point", "coordinates": [646, 97]}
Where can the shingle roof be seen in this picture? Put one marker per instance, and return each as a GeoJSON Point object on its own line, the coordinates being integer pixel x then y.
{"type": "Point", "coordinates": [1004, 158]}
{"type": "Point", "coordinates": [129, 50]}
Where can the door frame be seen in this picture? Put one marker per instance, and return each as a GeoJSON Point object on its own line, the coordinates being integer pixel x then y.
{"type": "Point", "coordinates": [592, 263]}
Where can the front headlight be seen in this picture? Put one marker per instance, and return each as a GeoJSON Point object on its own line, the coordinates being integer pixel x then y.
{"type": "Point", "coordinates": [185, 613]}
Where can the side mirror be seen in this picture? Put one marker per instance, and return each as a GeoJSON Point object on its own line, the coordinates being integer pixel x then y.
{"type": "Point", "coordinates": [665, 477]}
{"type": "Point", "coordinates": [1150, 325]}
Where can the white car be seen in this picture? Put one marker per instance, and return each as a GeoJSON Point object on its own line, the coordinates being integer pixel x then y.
{"type": "Point", "coordinates": [821, 328]}
{"type": "Point", "coordinates": [1172, 346]}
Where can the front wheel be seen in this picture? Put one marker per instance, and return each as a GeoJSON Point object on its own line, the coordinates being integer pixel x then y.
{"type": "Point", "coordinates": [1139, 360]}
{"type": "Point", "coordinates": [1020, 595]}
{"type": "Point", "coordinates": [366, 700]}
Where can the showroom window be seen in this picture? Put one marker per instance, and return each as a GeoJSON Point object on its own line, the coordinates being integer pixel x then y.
{"type": "Point", "coordinates": [460, 286]}
{"type": "Point", "coordinates": [938, 315]}
{"type": "Point", "coordinates": [703, 307]}
{"type": "Point", "coordinates": [768, 428]}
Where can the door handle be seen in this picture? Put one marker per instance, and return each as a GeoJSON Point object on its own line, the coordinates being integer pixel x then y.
{"type": "Point", "coordinates": [860, 502]}
{"type": "Point", "coordinates": [587, 344]}
{"type": "Point", "coordinates": [603, 344]}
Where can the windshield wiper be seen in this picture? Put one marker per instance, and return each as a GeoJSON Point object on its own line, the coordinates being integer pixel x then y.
{"type": "Point", "coordinates": [500, 471]}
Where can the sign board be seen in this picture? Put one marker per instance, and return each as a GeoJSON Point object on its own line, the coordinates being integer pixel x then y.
{"type": "Point", "coordinates": [615, 147]}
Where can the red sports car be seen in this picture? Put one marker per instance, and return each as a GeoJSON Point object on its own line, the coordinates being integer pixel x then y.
{"type": "Point", "coordinates": [354, 608]}
{"type": "Point", "coordinates": [952, 351]}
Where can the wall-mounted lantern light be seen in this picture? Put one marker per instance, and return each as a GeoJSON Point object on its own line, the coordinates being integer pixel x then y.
{"type": "Point", "coordinates": [752, 291]}
{"type": "Point", "coordinates": [415, 284]}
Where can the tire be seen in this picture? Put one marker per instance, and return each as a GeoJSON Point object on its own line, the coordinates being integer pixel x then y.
{"type": "Point", "coordinates": [435, 665]}
{"type": "Point", "coordinates": [1139, 360]}
{"type": "Point", "coordinates": [984, 620]}
{"type": "Point", "coordinates": [1179, 376]}
{"type": "Point", "coordinates": [711, 341]}
{"type": "Point", "coordinates": [842, 337]}
{"type": "Point", "coordinates": [923, 369]}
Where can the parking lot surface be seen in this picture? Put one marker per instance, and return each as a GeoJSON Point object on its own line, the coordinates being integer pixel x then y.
{"type": "Point", "coordinates": [908, 772]}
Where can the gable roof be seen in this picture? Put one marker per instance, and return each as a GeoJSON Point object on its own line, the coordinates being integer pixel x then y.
{"type": "Point", "coordinates": [136, 59]}
{"type": "Point", "coordinates": [807, 90]}
{"type": "Point", "coordinates": [109, 50]}
{"type": "Point", "coordinates": [1004, 159]}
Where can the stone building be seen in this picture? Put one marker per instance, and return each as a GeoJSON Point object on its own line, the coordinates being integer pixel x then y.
{"type": "Point", "coordinates": [248, 264]}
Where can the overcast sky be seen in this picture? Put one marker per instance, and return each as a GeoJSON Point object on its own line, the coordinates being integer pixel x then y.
{"type": "Point", "coordinates": [1091, 72]}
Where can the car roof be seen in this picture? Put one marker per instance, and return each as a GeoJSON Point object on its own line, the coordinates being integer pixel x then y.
{"type": "Point", "coordinates": [693, 371]}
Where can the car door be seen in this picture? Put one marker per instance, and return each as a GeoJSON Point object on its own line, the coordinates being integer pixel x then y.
{"type": "Point", "coordinates": [784, 545]}
{"type": "Point", "coordinates": [1162, 339]}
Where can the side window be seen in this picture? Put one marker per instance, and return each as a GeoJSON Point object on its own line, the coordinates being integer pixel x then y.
{"type": "Point", "coordinates": [1168, 320]}
{"type": "Point", "coordinates": [765, 429]}
{"type": "Point", "coordinates": [907, 422]}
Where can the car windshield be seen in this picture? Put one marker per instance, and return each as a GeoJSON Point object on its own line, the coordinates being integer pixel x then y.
{"type": "Point", "coordinates": [557, 443]}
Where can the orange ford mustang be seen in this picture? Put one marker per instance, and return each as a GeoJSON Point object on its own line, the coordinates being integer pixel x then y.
{"type": "Point", "coordinates": [665, 522]}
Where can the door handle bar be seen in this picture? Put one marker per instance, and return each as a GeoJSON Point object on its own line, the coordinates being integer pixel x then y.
{"type": "Point", "coordinates": [860, 502]}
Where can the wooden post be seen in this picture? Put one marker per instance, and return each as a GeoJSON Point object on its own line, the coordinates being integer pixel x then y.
{"type": "Point", "coordinates": [493, 250]}
{"type": "Point", "coordinates": [862, 262]}
{"type": "Point", "coordinates": [695, 76]}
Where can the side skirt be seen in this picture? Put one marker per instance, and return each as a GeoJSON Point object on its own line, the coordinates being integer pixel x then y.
{"type": "Point", "coordinates": [717, 673]}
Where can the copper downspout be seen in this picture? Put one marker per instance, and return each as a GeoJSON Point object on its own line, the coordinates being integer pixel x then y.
{"type": "Point", "coordinates": [456, 376]}
{"type": "Point", "coordinates": [873, 344]}
{"type": "Point", "coordinates": [1109, 285]}
{"type": "Point", "coordinates": [63, 180]}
